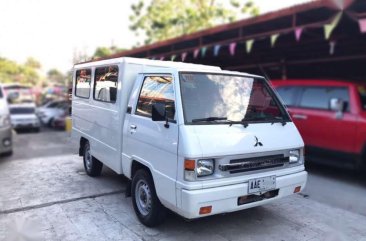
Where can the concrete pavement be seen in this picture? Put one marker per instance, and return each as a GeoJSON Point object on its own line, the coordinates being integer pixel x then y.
{"type": "Point", "coordinates": [51, 198]}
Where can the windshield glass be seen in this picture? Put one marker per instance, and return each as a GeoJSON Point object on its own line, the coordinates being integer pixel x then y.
{"type": "Point", "coordinates": [362, 93]}
{"type": "Point", "coordinates": [217, 98]}
{"type": "Point", "coordinates": [21, 110]}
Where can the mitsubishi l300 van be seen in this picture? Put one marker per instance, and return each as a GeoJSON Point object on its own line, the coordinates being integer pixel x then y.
{"type": "Point", "coordinates": [191, 138]}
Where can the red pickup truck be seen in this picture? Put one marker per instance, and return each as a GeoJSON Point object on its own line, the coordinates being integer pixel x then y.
{"type": "Point", "coordinates": [331, 117]}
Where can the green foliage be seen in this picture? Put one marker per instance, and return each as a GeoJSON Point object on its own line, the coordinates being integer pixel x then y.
{"type": "Point", "coordinates": [33, 63]}
{"type": "Point", "coordinates": [102, 52]}
{"type": "Point", "coordinates": [56, 76]}
{"type": "Point", "coordinates": [11, 71]}
{"type": "Point", "coordinates": [165, 19]}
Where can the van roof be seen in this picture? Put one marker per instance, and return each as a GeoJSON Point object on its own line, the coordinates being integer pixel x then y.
{"type": "Point", "coordinates": [157, 63]}
{"type": "Point", "coordinates": [178, 66]}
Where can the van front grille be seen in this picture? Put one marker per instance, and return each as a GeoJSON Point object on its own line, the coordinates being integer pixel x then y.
{"type": "Point", "coordinates": [254, 163]}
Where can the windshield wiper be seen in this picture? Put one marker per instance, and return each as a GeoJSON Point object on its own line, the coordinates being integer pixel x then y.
{"type": "Point", "coordinates": [280, 119]}
{"type": "Point", "coordinates": [208, 119]}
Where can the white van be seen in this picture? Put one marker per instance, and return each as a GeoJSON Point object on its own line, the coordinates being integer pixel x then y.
{"type": "Point", "coordinates": [6, 146]}
{"type": "Point", "coordinates": [191, 138]}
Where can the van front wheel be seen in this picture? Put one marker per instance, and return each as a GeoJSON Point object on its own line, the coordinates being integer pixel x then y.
{"type": "Point", "coordinates": [93, 167]}
{"type": "Point", "coordinates": [145, 202]}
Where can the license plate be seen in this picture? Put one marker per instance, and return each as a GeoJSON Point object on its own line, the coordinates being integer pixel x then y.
{"type": "Point", "coordinates": [262, 184]}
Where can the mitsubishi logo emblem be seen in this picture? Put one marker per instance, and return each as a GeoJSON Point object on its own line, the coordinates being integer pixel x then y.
{"type": "Point", "coordinates": [257, 142]}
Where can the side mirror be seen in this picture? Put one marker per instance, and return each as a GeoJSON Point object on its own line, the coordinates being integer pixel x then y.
{"type": "Point", "coordinates": [337, 105]}
{"type": "Point", "coordinates": [159, 112]}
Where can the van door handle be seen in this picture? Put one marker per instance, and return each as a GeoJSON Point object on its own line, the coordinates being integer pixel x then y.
{"type": "Point", "coordinates": [133, 127]}
{"type": "Point", "coordinates": [300, 117]}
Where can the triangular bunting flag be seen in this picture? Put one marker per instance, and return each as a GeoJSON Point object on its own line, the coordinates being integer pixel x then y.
{"type": "Point", "coordinates": [162, 58]}
{"type": "Point", "coordinates": [217, 49]}
{"type": "Point", "coordinates": [195, 53]}
{"type": "Point", "coordinates": [203, 51]}
{"type": "Point", "coordinates": [362, 23]}
{"type": "Point", "coordinates": [232, 48]}
{"type": "Point", "coordinates": [274, 38]}
{"type": "Point", "coordinates": [172, 58]}
{"type": "Point", "coordinates": [298, 32]}
{"type": "Point", "coordinates": [328, 28]}
{"type": "Point", "coordinates": [183, 56]}
{"type": "Point", "coordinates": [249, 45]}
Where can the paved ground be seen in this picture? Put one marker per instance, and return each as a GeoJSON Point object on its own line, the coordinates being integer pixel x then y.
{"type": "Point", "coordinates": [49, 197]}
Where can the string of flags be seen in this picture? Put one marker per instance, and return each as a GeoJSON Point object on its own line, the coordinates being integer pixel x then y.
{"type": "Point", "coordinates": [232, 47]}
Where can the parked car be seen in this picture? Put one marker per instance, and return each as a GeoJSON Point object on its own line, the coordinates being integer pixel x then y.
{"type": "Point", "coordinates": [54, 109]}
{"type": "Point", "coordinates": [192, 138]}
{"type": "Point", "coordinates": [23, 117]}
{"type": "Point", "coordinates": [59, 122]}
{"type": "Point", "coordinates": [6, 145]}
{"type": "Point", "coordinates": [331, 117]}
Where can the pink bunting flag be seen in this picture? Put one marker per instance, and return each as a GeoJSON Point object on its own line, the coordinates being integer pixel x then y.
{"type": "Point", "coordinates": [162, 58]}
{"type": "Point", "coordinates": [183, 56]}
{"type": "Point", "coordinates": [362, 23]}
{"type": "Point", "coordinates": [298, 32]}
{"type": "Point", "coordinates": [195, 53]}
{"type": "Point", "coordinates": [232, 48]}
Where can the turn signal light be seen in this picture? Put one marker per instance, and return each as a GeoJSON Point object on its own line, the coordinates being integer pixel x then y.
{"type": "Point", "coordinates": [205, 210]}
{"type": "Point", "coordinates": [189, 165]}
{"type": "Point", "coordinates": [297, 189]}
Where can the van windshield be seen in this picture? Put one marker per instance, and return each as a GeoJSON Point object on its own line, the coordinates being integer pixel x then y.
{"type": "Point", "coordinates": [220, 99]}
{"type": "Point", "coordinates": [362, 93]}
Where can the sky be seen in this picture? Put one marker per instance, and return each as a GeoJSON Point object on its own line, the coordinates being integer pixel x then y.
{"type": "Point", "coordinates": [53, 30]}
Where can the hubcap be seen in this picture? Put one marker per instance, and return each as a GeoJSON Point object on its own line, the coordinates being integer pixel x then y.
{"type": "Point", "coordinates": [88, 161]}
{"type": "Point", "coordinates": [143, 197]}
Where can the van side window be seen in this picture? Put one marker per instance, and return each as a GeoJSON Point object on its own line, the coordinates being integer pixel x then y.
{"type": "Point", "coordinates": [319, 97]}
{"type": "Point", "coordinates": [156, 89]}
{"type": "Point", "coordinates": [287, 94]}
{"type": "Point", "coordinates": [105, 83]}
{"type": "Point", "coordinates": [82, 83]}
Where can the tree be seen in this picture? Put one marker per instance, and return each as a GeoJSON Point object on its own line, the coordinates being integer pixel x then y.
{"type": "Point", "coordinates": [56, 76]}
{"type": "Point", "coordinates": [27, 73]}
{"type": "Point", "coordinates": [164, 19]}
{"type": "Point", "coordinates": [102, 52]}
{"type": "Point", "coordinates": [33, 63]}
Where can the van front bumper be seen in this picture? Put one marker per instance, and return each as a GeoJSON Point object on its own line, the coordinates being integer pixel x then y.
{"type": "Point", "coordinates": [6, 140]}
{"type": "Point", "coordinates": [225, 199]}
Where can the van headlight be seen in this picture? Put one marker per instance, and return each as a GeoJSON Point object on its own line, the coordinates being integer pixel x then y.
{"type": "Point", "coordinates": [4, 121]}
{"type": "Point", "coordinates": [295, 156]}
{"type": "Point", "coordinates": [205, 167]}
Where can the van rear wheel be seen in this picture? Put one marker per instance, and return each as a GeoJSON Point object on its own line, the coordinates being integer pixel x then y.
{"type": "Point", "coordinates": [145, 202]}
{"type": "Point", "coordinates": [93, 167]}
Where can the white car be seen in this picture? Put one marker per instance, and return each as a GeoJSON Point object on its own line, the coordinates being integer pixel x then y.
{"type": "Point", "coordinates": [6, 147]}
{"type": "Point", "coordinates": [51, 111]}
{"type": "Point", "coordinates": [23, 117]}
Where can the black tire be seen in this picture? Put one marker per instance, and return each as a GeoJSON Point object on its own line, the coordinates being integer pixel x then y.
{"type": "Point", "coordinates": [36, 130]}
{"type": "Point", "coordinates": [7, 154]}
{"type": "Point", "coordinates": [153, 215]}
{"type": "Point", "coordinates": [50, 123]}
{"type": "Point", "coordinates": [93, 167]}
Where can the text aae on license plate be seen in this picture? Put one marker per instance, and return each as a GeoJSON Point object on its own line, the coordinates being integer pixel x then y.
{"type": "Point", "coordinates": [262, 184]}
